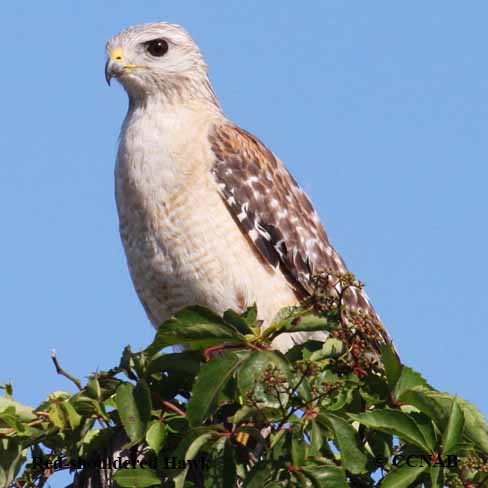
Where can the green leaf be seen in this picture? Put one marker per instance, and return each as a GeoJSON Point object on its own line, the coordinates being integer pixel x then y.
{"type": "Point", "coordinates": [391, 362]}
{"type": "Point", "coordinates": [137, 478]}
{"type": "Point", "coordinates": [436, 477]}
{"type": "Point", "coordinates": [408, 379]}
{"type": "Point", "coordinates": [295, 319]}
{"type": "Point", "coordinates": [187, 362]}
{"type": "Point", "coordinates": [127, 362]}
{"type": "Point", "coordinates": [309, 323]}
{"type": "Point", "coordinates": [242, 414]}
{"type": "Point", "coordinates": [395, 423]}
{"type": "Point", "coordinates": [475, 426]}
{"type": "Point", "coordinates": [402, 477]}
{"type": "Point", "coordinates": [229, 462]}
{"type": "Point", "coordinates": [258, 475]}
{"type": "Point", "coordinates": [74, 418]}
{"type": "Point", "coordinates": [283, 318]}
{"type": "Point", "coordinates": [221, 469]}
{"type": "Point", "coordinates": [298, 451]}
{"type": "Point", "coordinates": [129, 413]}
{"type": "Point", "coordinates": [316, 440]}
{"type": "Point", "coordinates": [250, 378]}
{"type": "Point", "coordinates": [142, 395]}
{"type": "Point", "coordinates": [286, 314]}
{"type": "Point", "coordinates": [93, 388]}
{"type": "Point", "coordinates": [189, 437]}
{"type": "Point", "coordinates": [332, 348]}
{"type": "Point", "coordinates": [237, 321]}
{"type": "Point", "coordinates": [57, 417]}
{"type": "Point", "coordinates": [156, 435]}
{"type": "Point", "coordinates": [375, 390]}
{"type": "Point", "coordinates": [380, 443]}
{"type": "Point", "coordinates": [454, 429]}
{"type": "Point", "coordinates": [23, 412]}
{"type": "Point", "coordinates": [63, 415]}
{"type": "Point", "coordinates": [4, 481]}
{"type": "Point", "coordinates": [420, 399]}
{"type": "Point", "coordinates": [303, 351]}
{"type": "Point", "coordinates": [195, 327]}
{"type": "Point", "coordinates": [191, 453]}
{"type": "Point", "coordinates": [325, 476]}
{"type": "Point", "coordinates": [90, 440]}
{"type": "Point", "coordinates": [424, 424]}
{"type": "Point", "coordinates": [87, 406]}
{"type": "Point", "coordinates": [10, 419]}
{"type": "Point", "coordinates": [11, 459]}
{"type": "Point", "coordinates": [280, 447]}
{"type": "Point", "coordinates": [209, 383]}
{"type": "Point", "coordinates": [251, 315]}
{"type": "Point", "coordinates": [8, 388]}
{"type": "Point", "coordinates": [345, 436]}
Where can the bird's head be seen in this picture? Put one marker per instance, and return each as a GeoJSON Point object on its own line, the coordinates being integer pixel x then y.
{"type": "Point", "coordinates": [157, 59]}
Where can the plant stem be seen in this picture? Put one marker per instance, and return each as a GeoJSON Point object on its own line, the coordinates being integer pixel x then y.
{"type": "Point", "coordinates": [62, 372]}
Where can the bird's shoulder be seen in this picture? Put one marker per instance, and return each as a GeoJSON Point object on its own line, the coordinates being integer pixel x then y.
{"type": "Point", "coordinates": [270, 206]}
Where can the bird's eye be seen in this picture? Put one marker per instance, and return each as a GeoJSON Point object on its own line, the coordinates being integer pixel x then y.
{"type": "Point", "coordinates": [157, 47]}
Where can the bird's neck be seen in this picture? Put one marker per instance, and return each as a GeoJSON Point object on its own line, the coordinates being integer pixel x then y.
{"type": "Point", "coordinates": [169, 122]}
{"type": "Point", "coordinates": [161, 138]}
{"type": "Point", "coordinates": [172, 95]}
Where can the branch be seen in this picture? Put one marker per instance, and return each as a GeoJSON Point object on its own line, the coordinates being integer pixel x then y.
{"type": "Point", "coordinates": [62, 372]}
{"type": "Point", "coordinates": [169, 405]}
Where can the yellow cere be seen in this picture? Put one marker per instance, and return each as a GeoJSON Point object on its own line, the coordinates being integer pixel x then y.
{"type": "Point", "coordinates": [117, 54]}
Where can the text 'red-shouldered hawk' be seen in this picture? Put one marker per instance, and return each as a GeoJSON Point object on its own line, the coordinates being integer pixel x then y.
{"type": "Point", "coordinates": [208, 214]}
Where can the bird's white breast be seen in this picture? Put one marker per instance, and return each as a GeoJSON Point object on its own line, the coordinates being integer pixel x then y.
{"type": "Point", "coordinates": [183, 247]}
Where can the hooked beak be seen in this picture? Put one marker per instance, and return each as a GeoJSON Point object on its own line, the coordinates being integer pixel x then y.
{"type": "Point", "coordinates": [108, 72]}
{"type": "Point", "coordinates": [113, 69]}
{"type": "Point", "coordinates": [116, 65]}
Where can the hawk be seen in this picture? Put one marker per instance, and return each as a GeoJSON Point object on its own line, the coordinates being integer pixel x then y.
{"type": "Point", "coordinates": [208, 214]}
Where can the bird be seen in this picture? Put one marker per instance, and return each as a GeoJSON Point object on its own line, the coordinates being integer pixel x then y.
{"type": "Point", "coordinates": [208, 215]}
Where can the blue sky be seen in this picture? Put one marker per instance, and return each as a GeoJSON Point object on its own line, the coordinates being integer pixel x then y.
{"type": "Point", "coordinates": [378, 108]}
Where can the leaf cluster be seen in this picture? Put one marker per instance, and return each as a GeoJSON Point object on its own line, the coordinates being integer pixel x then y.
{"type": "Point", "coordinates": [230, 411]}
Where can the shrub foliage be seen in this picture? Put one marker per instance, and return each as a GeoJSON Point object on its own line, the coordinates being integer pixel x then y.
{"type": "Point", "coordinates": [229, 411]}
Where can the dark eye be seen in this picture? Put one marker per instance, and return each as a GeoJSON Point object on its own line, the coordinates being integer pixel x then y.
{"type": "Point", "coordinates": [157, 47]}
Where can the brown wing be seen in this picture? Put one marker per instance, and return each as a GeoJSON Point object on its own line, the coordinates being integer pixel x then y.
{"type": "Point", "coordinates": [271, 207]}
{"type": "Point", "coordinates": [274, 212]}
